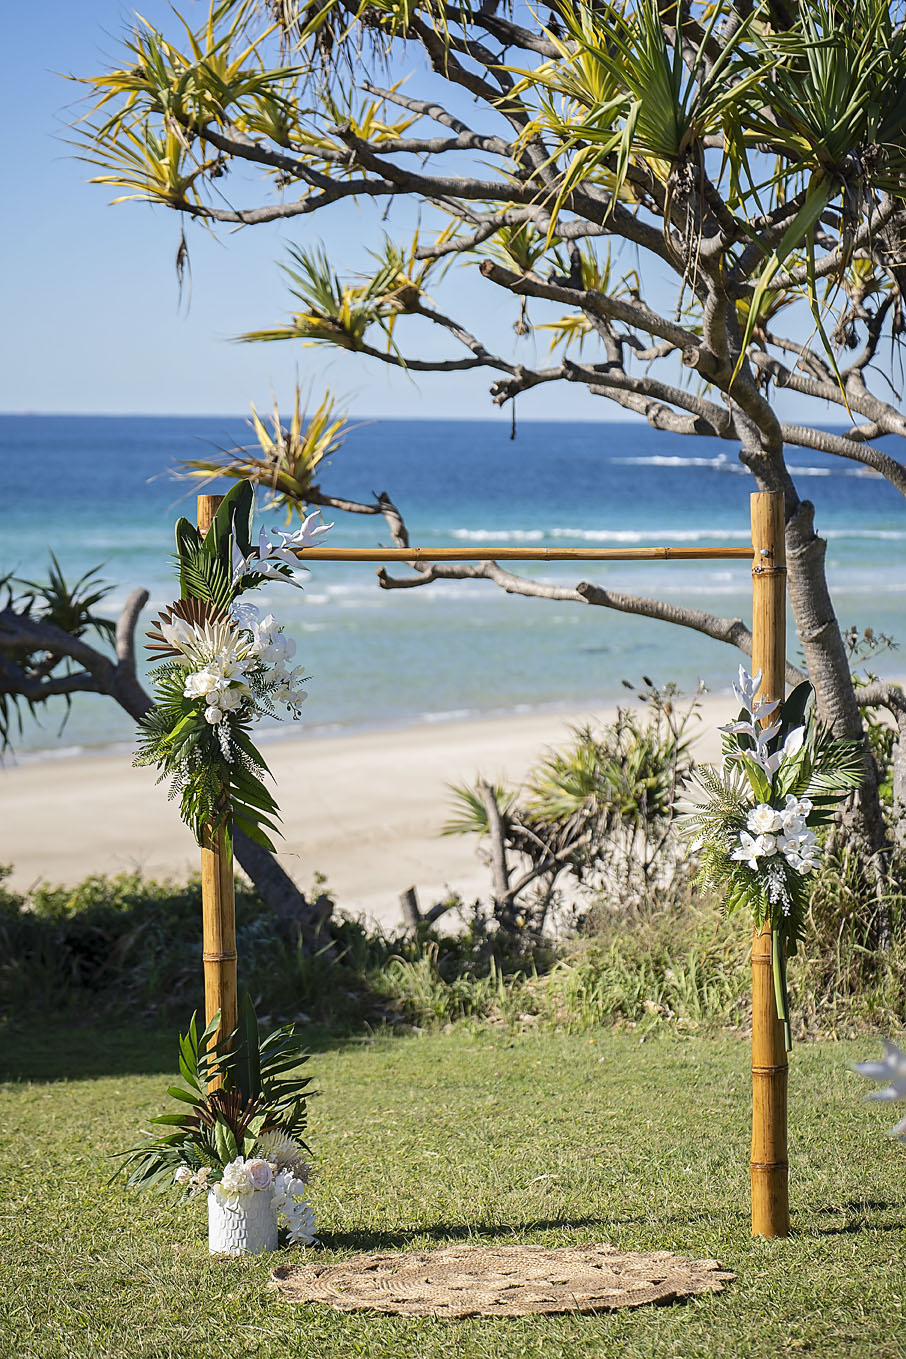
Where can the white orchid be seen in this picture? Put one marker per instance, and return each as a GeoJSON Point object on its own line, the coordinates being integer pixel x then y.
{"type": "Point", "coordinates": [890, 1071]}
{"type": "Point", "coordinates": [286, 689]}
{"type": "Point", "coordinates": [752, 848]}
{"type": "Point", "coordinates": [745, 691]}
{"type": "Point", "coordinates": [293, 1210]}
{"type": "Point", "coordinates": [269, 643]}
{"type": "Point", "coordinates": [273, 559]}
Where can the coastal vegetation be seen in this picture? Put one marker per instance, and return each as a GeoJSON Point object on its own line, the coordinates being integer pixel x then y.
{"type": "Point", "coordinates": [701, 204]}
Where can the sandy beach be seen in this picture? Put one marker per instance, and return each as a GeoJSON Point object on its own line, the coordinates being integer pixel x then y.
{"type": "Point", "coordinates": [364, 810]}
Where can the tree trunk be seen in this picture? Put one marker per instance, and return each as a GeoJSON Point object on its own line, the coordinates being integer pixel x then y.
{"type": "Point", "coordinates": [828, 670]}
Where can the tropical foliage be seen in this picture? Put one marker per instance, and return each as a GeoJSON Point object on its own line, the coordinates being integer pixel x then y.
{"type": "Point", "coordinates": [226, 666]}
{"type": "Point", "coordinates": [29, 672]}
{"type": "Point", "coordinates": [287, 458]}
{"type": "Point", "coordinates": [757, 822]}
{"type": "Point", "coordinates": [237, 1098]}
{"type": "Point", "coordinates": [597, 811]}
{"type": "Point", "coordinates": [747, 157]}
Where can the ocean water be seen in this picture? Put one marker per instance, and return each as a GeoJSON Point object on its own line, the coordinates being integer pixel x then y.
{"type": "Point", "coordinates": [98, 491]}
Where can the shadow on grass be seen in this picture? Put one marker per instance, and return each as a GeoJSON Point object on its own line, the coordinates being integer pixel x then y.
{"type": "Point", "coordinates": [857, 1215]}
{"type": "Point", "coordinates": [445, 1231]}
{"type": "Point", "coordinates": [60, 1050]}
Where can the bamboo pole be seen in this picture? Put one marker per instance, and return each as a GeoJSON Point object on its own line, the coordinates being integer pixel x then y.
{"type": "Point", "coordinates": [218, 909]}
{"type": "Point", "coordinates": [769, 1164]}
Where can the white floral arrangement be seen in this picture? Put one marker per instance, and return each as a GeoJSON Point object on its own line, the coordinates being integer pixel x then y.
{"type": "Point", "coordinates": [280, 1171]}
{"type": "Point", "coordinates": [224, 666]}
{"type": "Point", "coordinates": [758, 819]}
{"type": "Point", "coordinates": [243, 1113]}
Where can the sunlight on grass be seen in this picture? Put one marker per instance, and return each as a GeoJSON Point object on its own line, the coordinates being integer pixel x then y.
{"type": "Point", "coordinates": [472, 1135]}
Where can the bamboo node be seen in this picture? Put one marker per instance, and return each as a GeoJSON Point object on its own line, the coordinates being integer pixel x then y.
{"type": "Point", "coordinates": [218, 957]}
{"type": "Point", "coordinates": [769, 1165]}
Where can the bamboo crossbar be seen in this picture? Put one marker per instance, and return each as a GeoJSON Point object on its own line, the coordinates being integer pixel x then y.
{"type": "Point", "coordinates": [525, 554]}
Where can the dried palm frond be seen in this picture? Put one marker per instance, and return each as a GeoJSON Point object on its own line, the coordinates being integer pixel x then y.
{"type": "Point", "coordinates": [195, 612]}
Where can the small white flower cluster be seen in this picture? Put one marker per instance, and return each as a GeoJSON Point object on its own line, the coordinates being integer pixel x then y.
{"type": "Point", "coordinates": [228, 656]}
{"type": "Point", "coordinates": [196, 1182]}
{"type": "Point", "coordinates": [272, 559]}
{"type": "Point", "coordinates": [745, 692]}
{"type": "Point", "coordinates": [784, 831]}
{"type": "Point", "coordinates": [272, 649]}
{"type": "Point", "coordinates": [778, 832]}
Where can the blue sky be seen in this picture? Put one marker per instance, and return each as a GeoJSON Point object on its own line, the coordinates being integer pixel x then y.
{"type": "Point", "coordinates": [93, 321]}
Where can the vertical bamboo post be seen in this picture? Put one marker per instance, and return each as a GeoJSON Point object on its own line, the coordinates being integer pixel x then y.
{"type": "Point", "coordinates": [769, 1164]}
{"type": "Point", "coordinates": [218, 910]}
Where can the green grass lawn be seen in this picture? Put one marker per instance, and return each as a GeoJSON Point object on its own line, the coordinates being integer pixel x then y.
{"type": "Point", "coordinates": [475, 1136]}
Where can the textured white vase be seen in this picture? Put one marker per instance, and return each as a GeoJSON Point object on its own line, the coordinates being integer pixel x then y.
{"type": "Point", "coordinates": [246, 1225]}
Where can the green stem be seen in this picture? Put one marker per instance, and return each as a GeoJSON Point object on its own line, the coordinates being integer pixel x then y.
{"type": "Point", "coordinates": [778, 964]}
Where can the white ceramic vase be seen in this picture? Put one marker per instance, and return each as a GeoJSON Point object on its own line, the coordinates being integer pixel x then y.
{"type": "Point", "coordinates": [246, 1225]}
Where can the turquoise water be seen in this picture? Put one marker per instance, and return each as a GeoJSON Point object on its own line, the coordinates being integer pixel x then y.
{"type": "Point", "coordinates": [96, 490]}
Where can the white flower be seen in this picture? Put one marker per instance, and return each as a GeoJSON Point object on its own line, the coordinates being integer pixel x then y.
{"type": "Point", "coordinates": [230, 697]}
{"type": "Point", "coordinates": [235, 1180]}
{"type": "Point", "coordinates": [272, 559]}
{"type": "Point", "coordinates": [202, 643]}
{"type": "Point", "coordinates": [183, 1175]}
{"type": "Point", "coordinates": [794, 814]}
{"type": "Point", "coordinates": [307, 534]}
{"type": "Point", "coordinates": [284, 1152]}
{"type": "Point", "coordinates": [259, 1173]}
{"type": "Point", "coordinates": [293, 1210]}
{"type": "Point", "coordinates": [269, 643]}
{"type": "Point", "coordinates": [750, 850]}
{"type": "Point", "coordinates": [213, 715]}
{"type": "Point", "coordinates": [200, 683]}
{"type": "Point", "coordinates": [245, 615]}
{"type": "Point", "coordinates": [763, 819]}
{"type": "Point", "coordinates": [892, 1071]}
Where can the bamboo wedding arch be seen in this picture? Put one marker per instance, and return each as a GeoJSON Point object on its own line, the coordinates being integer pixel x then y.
{"type": "Point", "coordinates": [769, 1164]}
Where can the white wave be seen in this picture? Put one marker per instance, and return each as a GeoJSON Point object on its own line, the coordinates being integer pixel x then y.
{"type": "Point", "coordinates": [885, 535]}
{"type": "Point", "coordinates": [451, 715]}
{"type": "Point", "coordinates": [720, 463]}
{"type": "Point", "coordinates": [499, 535]}
{"type": "Point", "coordinates": [653, 536]}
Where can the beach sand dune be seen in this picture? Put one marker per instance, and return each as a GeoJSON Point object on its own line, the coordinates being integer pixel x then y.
{"type": "Point", "coordinates": [364, 810]}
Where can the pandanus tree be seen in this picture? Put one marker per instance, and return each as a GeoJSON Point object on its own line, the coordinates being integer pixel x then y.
{"type": "Point", "coordinates": [706, 201]}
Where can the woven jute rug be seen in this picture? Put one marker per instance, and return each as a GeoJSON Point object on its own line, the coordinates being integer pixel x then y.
{"type": "Point", "coordinates": [501, 1281]}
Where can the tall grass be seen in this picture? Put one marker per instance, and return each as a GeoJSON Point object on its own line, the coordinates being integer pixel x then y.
{"type": "Point", "coordinates": [126, 945]}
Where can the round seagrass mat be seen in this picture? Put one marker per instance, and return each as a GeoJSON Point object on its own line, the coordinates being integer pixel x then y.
{"type": "Point", "coordinates": [501, 1281]}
